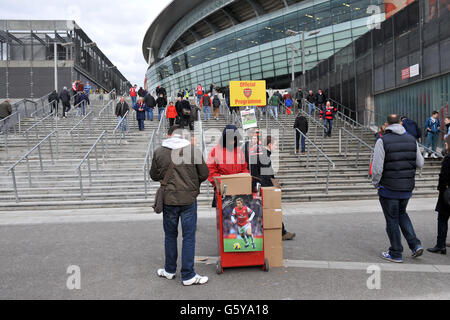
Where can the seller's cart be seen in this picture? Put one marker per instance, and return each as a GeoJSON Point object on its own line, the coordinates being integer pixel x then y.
{"type": "Point", "coordinates": [234, 259]}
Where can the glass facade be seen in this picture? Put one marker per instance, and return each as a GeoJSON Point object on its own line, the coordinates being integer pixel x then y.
{"type": "Point", "coordinates": [373, 74]}
{"type": "Point", "coordinates": [259, 49]}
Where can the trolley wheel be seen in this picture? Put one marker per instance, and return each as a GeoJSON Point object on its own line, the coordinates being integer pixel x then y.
{"type": "Point", "coordinates": [219, 269]}
{"type": "Point", "coordinates": [266, 265]}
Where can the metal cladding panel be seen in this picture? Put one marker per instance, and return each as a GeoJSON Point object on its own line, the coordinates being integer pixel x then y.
{"type": "Point", "coordinates": [2, 82]}
{"type": "Point", "coordinates": [19, 82]}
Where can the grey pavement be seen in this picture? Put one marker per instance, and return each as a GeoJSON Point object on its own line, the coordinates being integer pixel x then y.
{"type": "Point", "coordinates": [119, 250]}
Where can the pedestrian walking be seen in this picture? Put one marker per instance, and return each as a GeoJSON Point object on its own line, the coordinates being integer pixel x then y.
{"type": "Point", "coordinates": [181, 188]}
{"type": "Point", "coordinates": [299, 96]}
{"type": "Point", "coordinates": [151, 103]}
{"type": "Point", "coordinates": [171, 113]}
{"type": "Point", "coordinates": [321, 100]}
{"type": "Point", "coordinates": [311, 102]}
{"type": "Point", "coordinates": [274, 103]}
{"type": "Point", "coordinates": [395, 159]}
{"type": "Point", "coordinates": [442, 206]}
{"type": "Point", "coordinates": [216, 106]}
{"type": "Point", "coordinates": [199, 93]}
{"type": "Point", "coordinates": [205, 105]}
{"type": "Point", "coordinates": [411, 128]}
{"type": "Point", "coordinates": [161, 103]}
{"type": "Point", "coordinates": [81, 102]}
{"type": "Point", "coordinates": [327, 114]}
{"type": "Point", "coordinates": [53, 100]}
{"type": "Point", "coordinates": [121, 113]}
{"type": "Point", "coordinates": [140, 109]}
{"type": "Point", "coordinates": [64, 96]}
{"type": "Point", "coordinates": [133, 95]}
{"type": "Point", "coordinates": [301, 123]}
{"type": "Point", "coordinates": [432, 127]}
{"type": "Point", "coordinates": [141, 92]}
{"type": "Point", "coordinates": [380, 133]}
{"type": "Point", "coordinates": [5, 112]}
{"type": "Point", "coordinates": [187, 117]}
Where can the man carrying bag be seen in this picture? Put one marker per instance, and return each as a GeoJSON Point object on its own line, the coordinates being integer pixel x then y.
{"type": "Point", "coordinates": [182, 169]}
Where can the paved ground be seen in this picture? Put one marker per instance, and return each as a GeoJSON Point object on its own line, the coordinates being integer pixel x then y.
{"type": "Point", "coordinates": [118, 252]}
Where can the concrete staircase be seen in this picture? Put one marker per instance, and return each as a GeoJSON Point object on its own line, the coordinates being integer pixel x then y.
{"type": "Point", "coordinates": [119, 180]}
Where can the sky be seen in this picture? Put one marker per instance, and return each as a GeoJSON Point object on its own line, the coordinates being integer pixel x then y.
{"type": "Point", "coordinates": [116, 26]}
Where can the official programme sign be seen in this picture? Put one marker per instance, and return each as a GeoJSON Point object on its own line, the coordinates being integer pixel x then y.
{"type": "Point", "coordinates": [248, 93]}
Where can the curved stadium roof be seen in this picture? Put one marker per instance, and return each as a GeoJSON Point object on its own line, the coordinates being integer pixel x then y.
{"type": "Point", "coordinates": [183, 22]}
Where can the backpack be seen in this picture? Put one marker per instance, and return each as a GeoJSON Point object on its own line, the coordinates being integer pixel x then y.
{"type": "Point", "coordinates": [216, 102]}
{"type": "Point", "coordinates": [206, 101]}
{"type": "Point", "coordinates": [288, 103]}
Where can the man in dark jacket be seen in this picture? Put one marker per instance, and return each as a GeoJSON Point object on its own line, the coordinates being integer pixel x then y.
{"type": "Point", "coordinates": [301, 123]}
{"type": "Point", "coordinates": [141, 92]}
{"type": "Point", "coordinates": [180, 202]}
{"type": "Point", "coordinates": [151, 103]}
{"type": "Point", "coordinates": [396, 157]}
{"type": "Point", "coordinates": [81, 101]}
{"type": "Point", "coordinates": [321, 100]}
{"type": "Point", "coordinates": [161, 102]}
{"type": "Point", "coordinates": [121, 111]}
{"type": "Point", "coordinates": [5, 111]}
{"type": "Point", "coordinates": [311, 101]}
{"type": "Point", "coordinates": [53, 99]}
{"type": "Point", "coordinates": [64, 96]}
{"type": "Point", "coordinates": [411, 128]}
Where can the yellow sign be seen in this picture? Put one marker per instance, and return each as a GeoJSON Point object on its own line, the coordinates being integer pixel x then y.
{"type": "Point", "coordinates": [248, 93]}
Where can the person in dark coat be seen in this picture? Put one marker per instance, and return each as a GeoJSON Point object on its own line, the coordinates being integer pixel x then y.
{"type": "Point", "coordinates": [121, 112]}
{"type": "Point", "coordinates": [301, 123]}
{"type": "Point", "coordinates": [161, 102]}
{"type": "Point", "coordinates": [141, 92]}
{"type": "Point", "coordinates": [64, 96]}
{"type": "Point", "coordinates": [81, 101]}
{"type": "Point", "coordinates": [151, 103]}
{"type": "Point", "coordinates": [140, 109]}
{"type": "Point", "coordinates": [412, 128]}
{"type": "Point", "coordinates": [53, 99]}
{"type": "Point", "coordinates": [442, 207]}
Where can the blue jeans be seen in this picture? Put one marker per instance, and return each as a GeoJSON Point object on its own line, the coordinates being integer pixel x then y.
{"type": "Point", "coordinates": [311, 108]}
{"type": "Point", "coordinates": [82, 109]}
{"type": "Point", "coordinates": [206, 112]}
{"type": "Point", "coordinates": [274, 109]}
{"type": "Point", "coordinates": [133, 100]}
{"type": "Point", "coordinates": [124, 123]}
{"type": "Point", "coordinates": [149, 114]}
{"type": "Point", "coordinates": [199, 98]}
{"type": "Point", "coordinates": [171, 217]}
{"type": "Point", "coordinates": [328, 124]}
{"type": "Point", "coordinates": [160, 112]}
{"type": "Point", "coordinates": [141, 125]}
{"type": "Point", "coordinates": [299, 138]}
{"type": "Point", "coordinates": [398, 222]}
{"type": "Point", "coordinates": [431, 141]}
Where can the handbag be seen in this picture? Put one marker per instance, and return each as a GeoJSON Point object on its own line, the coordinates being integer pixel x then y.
{"type": "Point", "coordinates": [186, 112]}
{"type": "Point", "coordinates": [159, 196]}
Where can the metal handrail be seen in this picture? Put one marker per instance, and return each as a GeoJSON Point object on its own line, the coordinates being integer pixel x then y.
{"type": "Point", "coordinates": [37, 146]}
{"type": "Point", "coordinates": [350, 111]}
{"type": "Point", "coordinates": [70, 132]}
{"type": "Point", "coordinates": [319, 152]}
{"type": "Point", "coordinates": [80, 122]}
{"type": "Point", "coordinates": [360, 143]}
{"type": "Point", "coordinates": [46, 104]}
{"type": "Point", "coordinates": [105, 108]}
{"type": "Point", "coordinates": [35, 126]}
{"type": "Point", "coordinates": [146, 166]}
{"type": "Point", "coordinates": [203, 147]}
{"type": "Point", "coordinates": [87, 159]}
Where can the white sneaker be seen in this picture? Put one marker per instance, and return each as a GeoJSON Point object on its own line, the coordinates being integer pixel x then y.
{"type": "Point", "coordinates": [434, 156]}
{"type": "Point", "coordinates": [162, 273]}
{"type": "Point", "coordinates": [197, 279]}
{"type": "Point", "coordinates": [426, 156]}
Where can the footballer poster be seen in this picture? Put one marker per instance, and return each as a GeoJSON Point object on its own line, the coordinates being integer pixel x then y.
{"type": "Point", "coordinates": [242, 224]}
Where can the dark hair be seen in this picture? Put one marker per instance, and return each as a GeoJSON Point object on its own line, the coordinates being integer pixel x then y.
{"type": "Point", "coordinates": [403, 118]}
{"type": "Point", "coordinates": [240, 200]}
{"type": "Point", "coordinates": [393, 119]}
{"type": "Point", "coordinates": [172, 129]}
{"type": "Point", "coordinates": [269, 140]}
{"type": "Point", "coordinates": [435, 112]}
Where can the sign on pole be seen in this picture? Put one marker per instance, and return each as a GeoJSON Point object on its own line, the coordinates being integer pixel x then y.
{"type": "Point", "coordinates": [248, 93]}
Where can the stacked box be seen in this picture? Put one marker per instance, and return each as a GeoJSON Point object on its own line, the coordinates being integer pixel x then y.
{"type": "Point", "coordinates": [237, 184]}
{"type": "Point", "coordinates": [272, 221]}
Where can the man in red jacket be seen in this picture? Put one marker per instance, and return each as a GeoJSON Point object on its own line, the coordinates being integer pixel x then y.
{"type": "Point", "coordinates": [327, 114]}
{"type": "Point", "coordinates": [133, 95]}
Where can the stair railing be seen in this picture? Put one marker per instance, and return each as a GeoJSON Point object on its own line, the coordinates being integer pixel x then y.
{"type": "Point", "coordinates": [147, 164]}
{"type": "Point", "coordinates": [26, 158]}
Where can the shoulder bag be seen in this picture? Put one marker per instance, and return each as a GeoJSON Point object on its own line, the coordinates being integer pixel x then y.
{"type": "Point", "coordinates": [159, 196]}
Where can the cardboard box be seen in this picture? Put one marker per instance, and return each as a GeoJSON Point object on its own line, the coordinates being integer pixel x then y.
{"type": "Point", "coordinates": [237, 184]}
{"type": "Point", "coordinates": [274, 255]}
{"type": "Point", "coordinates": [272, 218]}
{"type": "Point", "coordinates": [271, 197]}
{"type": "Point", "coordinates": [272, 238]}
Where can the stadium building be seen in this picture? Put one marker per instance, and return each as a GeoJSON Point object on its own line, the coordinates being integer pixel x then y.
{"type": "Point", "coordinates": [202, 42]}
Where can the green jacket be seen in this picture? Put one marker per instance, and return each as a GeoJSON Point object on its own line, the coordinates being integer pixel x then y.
{"type": "Point", "coordinates": [274, 101]}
